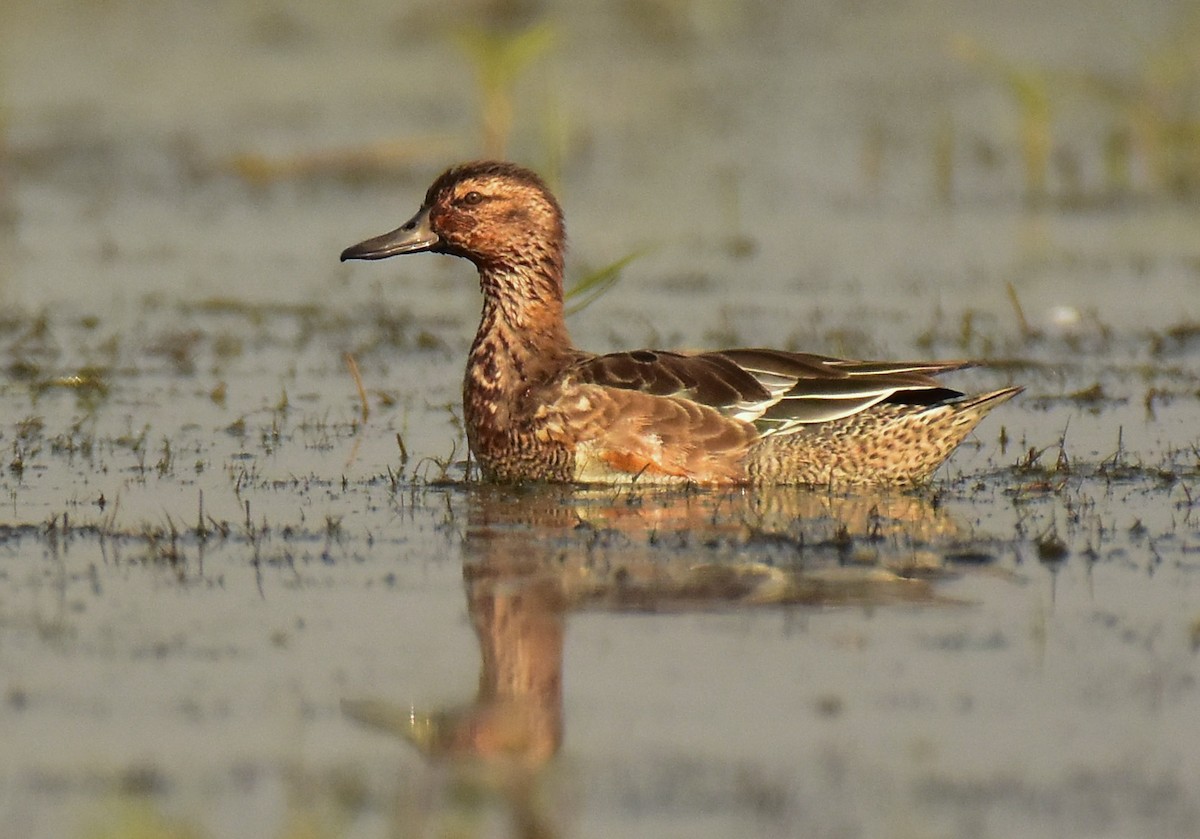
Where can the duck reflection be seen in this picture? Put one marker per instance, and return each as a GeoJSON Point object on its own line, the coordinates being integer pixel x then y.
{"type": "Point", "coordinates": [533, 555]}
{"type": "Point", "coordinates": [667, 551]}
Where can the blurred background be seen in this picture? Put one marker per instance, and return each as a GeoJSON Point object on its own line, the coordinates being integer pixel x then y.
{"type": "Point", "coordinates": [819, 156]}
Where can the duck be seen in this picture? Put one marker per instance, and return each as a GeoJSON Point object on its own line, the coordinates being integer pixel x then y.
{"type": "Point", "coordinates": [539, 409]}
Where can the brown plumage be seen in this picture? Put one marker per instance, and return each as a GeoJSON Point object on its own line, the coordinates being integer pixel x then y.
{"type": "Point", "coordinates": [537, 408]}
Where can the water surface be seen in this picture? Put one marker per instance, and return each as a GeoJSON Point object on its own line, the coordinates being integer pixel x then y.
{"type": "Point", "coordinates": [232, 605]}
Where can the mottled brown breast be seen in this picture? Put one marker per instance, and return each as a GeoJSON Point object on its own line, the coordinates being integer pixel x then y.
{"type": "Point", "coordinates": [505, 391]}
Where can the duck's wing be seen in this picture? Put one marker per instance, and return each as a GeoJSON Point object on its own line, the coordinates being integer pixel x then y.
{"type": "Point", "coordinates": [779, 392]}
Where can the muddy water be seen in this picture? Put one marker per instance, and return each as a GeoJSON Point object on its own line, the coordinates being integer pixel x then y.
{"type": "Point", "coordinates": [232, 605]}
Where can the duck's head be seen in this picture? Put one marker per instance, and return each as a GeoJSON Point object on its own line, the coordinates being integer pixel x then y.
{"type": "Point", "coordinates": [500, 216]}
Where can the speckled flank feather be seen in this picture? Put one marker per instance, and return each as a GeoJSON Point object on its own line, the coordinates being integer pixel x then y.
{"type": "Point", "coordinates": [889, 444]}
{"type": "Point", "coordinates": [538, 408]}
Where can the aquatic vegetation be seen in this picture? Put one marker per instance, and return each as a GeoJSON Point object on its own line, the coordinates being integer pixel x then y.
{"type": "Point", "coordinates": [134, 816]}
{"type": "Point", "coordinates": [8, 209]}
{"type": "Point", "coordinates": [359, 164]}
{"type": "Point", "coordinates": [595, 284]}
{"type": "Point", "coordinates": [1029, 88]}
{"type": "Point", "coordinates": [1152, 121]}
{"type": "Point", "coordinates": [1158, 112]}
{"type": "Point", "coordinates": [89, 384]}
{"type": "Point", "coordinates": [499, 58]}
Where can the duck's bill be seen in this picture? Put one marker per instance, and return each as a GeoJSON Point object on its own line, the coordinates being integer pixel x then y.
{"type": "Point", "coordinates": [413, 236]}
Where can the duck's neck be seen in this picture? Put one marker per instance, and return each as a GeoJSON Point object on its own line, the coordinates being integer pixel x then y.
{"type": "Point", "coordinates": [523, 310]}
{"type": "Point", "coordinates": [522, 343]}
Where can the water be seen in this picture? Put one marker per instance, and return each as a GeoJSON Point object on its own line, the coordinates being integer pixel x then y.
{"type": "Point", "coordinates": [232, 605]}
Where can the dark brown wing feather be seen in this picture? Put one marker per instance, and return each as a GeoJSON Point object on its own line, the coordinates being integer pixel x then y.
{"type": "Point", "coordinates": [777, 391]}
{"type": "Point", "coordinates": [709, 378]}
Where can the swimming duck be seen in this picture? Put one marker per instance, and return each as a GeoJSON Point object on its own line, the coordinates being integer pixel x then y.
{"type": "Point", "coordinates": [537, 408]}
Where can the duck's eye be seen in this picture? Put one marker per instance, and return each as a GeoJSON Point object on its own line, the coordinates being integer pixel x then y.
{"type": "Point", "coordinates": [472, 198]}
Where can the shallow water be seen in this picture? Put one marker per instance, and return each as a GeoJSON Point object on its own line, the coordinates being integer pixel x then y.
{"type": "Point", "coordinates": [230, 605]}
